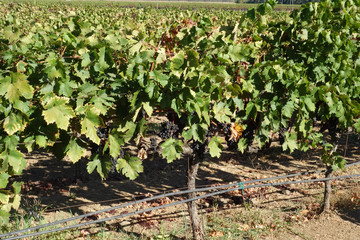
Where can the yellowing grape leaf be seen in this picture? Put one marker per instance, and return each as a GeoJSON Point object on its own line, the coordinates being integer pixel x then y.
{"type": "Point", "coordinates": [15, 86]}
{"type": "Point", "coordinates": [14, 123]}
{"type": "Point", "coordinates": [57, 111]}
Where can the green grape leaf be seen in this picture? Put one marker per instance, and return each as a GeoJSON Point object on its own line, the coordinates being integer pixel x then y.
{"type": "Point", "coordinates": [4, 217]}
{"type": "Point", "coordinates": [288, 109]}
{"type": "Point", "coordinates": [148, 109]}
{"type": "Point", "coordinates": [101, 65]}
{"type": "Point", "coordinates": [357, 125]}
{"type": "Point", "coordinates": [102, 102]}
{"type": "Point", "coordinates": [222, 112]}
{"type": "Point", "coordinates": [41, 141]}
{"type": "Point", "coordinates": [215, 146]}
{"type": "Point", "coordinates": [74, 151]}
{"type": "Point", "coordinates": [15, 201]}
{"type": "Point", "coordinates": [309, 104]}
{"type": "Point", "coordinates": [17, 187]}
{"type": "Point", "coordinates": [192, 58]}
{"type": "Point", "coordinates": [4, 197]}
{"type": "Point", "coordinates": [4, 180]}
{"type": "Point", "coordinates": [96, 164]}
{"type": "Point", "coordinates": [85, 60]}
{"type": "Point", "coordinates": [89, 124]}
{"type": "Point", "coordinates": [57, 111]}
{"type": "Point", "coordinates": [21, 66]}
{"type": "Point", "coordinates": [115, 144]}
{"type": "Point", "coordinates": [16, 160]}
{"type": "Point", "coordinates": [239, 103]}
{"type": "Point", "coordinates": [83, 74]}
{"type": "Point", "coordinates": [135, 48]}
{"type": "Point", "coordinates": [129, 166]}
{"type": "Point", "coordinates": [239, 53]}
{"type": "Point", "coordinates": [290, 142]}
{"type": "Point", "coordinates": [242, 145]}
{"type": "Point", "coordinates": [128, 130]}
{"type": "Point", "coordinates": [161, 57]}
{"type": "Point", "coordinates": [172, 149]}
{"type": "Point", "coordinates": [159, 77]}
{"type": "Point", "coordinates": [177, 61]}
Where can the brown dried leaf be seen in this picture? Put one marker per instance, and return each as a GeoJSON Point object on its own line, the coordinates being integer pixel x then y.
{"type": "Point", "coordinates": [236, 131]}
{"type": "Point", "coordinates": [355, 197]}
{"type": "Point", "coordinates": [244, 227]}
{"type": "Point", "coordinates": [215, 233]}
{"type": "Point", "coordinates": [142, 154]}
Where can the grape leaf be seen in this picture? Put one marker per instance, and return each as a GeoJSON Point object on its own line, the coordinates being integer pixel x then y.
{"type": "Point", "coordinates": [159, 77]}
{"type": "Point", "coordinates": [16, 86]}
{"type": "Point", "coordinates": [172, 149]}
{"type": "Point", "coordinates": [17, 187]}
{"type": "Point", "coordinates": [89, 123]}
{"type": "Point", "coordinates": [148, 109]}
{"type": "Point", "coordinates": [14, 123]}
{"type": "Point", "coordinates": [74, 151]}
{"type": "Point", "coordinates": [114, 145]}
{"type": "Point", "coordinates": [41, 140]}
{"type": "Point", "coordinates": [16, 160]}
{"type": "Point", "coordinates": [129, 166]}
{"type": "Point", "coordinates": [4, 180]}
{"type": "Point", "coordinates": [4, 217]}
{"type": "Point", "coordinates": [215, 146]}
{"type": "Point", "coordinates": [290, 142]}
{"type": "Point", "coordinates": [96, 163]}
{"type": "Point", "coordinates": [57, 111]}
{"type": "Point", "coordinates": [242, 145]}
{"type": "Point", "coordinates": [309, 104]}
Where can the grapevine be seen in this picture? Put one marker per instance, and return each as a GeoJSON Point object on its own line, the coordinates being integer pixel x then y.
{"type": "Point", "coordinates": [62, 79]}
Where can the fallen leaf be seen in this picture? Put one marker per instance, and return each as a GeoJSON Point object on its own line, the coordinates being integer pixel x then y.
{"type": "Point", "coordinates": [244, 227]}
{"type": "Point", "coordinates": [215, 233]}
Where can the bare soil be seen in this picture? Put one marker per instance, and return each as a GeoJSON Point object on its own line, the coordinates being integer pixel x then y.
{"type": "Point", "coordinates": [284, 212]}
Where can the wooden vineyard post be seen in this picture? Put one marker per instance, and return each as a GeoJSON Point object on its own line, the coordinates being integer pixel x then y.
{"type": "Point", "coordinates": [196, 222]}
{"type": "Point", "coordinates": [327, 192]}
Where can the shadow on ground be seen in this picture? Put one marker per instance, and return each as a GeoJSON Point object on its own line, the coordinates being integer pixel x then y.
{"type": "Point", "coordinates": [60, 185]}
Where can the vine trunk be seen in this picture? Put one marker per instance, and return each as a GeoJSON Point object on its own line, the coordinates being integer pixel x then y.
{"type": "Point", "coordinates": [196, 222]}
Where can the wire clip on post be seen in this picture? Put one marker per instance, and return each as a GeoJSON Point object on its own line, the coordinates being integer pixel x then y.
{"type": "Point", "coordinates": [241, 186]}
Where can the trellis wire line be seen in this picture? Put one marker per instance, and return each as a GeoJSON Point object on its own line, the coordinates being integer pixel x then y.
{"type": "Point", "coordinates": [143, 194]}
{"type": "Point", "coordinates": [179, 202]}
{"type": "Point", "coordinates": [165, 195]}
{"type": "Point", "coordinates": [165, 191]}
{"type": "Point", "coordinates": [157, 197]}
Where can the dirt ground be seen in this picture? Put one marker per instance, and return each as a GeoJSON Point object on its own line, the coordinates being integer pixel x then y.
{"type": "Point", "coordinates": [283, 212]}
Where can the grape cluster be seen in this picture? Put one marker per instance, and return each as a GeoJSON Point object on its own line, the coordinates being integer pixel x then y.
{"type": "Point", "coordinates": [231, 143]}
{"type": "Point", "coordinates": [332, 126]}
{"type": "Point", "coordinates": [167, 130]}
{"type": "Point", "coordinates": [198, 149]}
{"type": "Point", "coordinates": [114, 161]}
{"type": "Point", "coordinates": [102, 132]}
{"type": "Point", "coordinates": [94, 148]}
{"type": "Point", "coordinates": [153, 144]}
{"type": "Point", "coordinates": [282, 135]}
{"type": "Point", "coordinates": [249, 132]}
{"type": "Point", "coordinates": [179, 122]}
